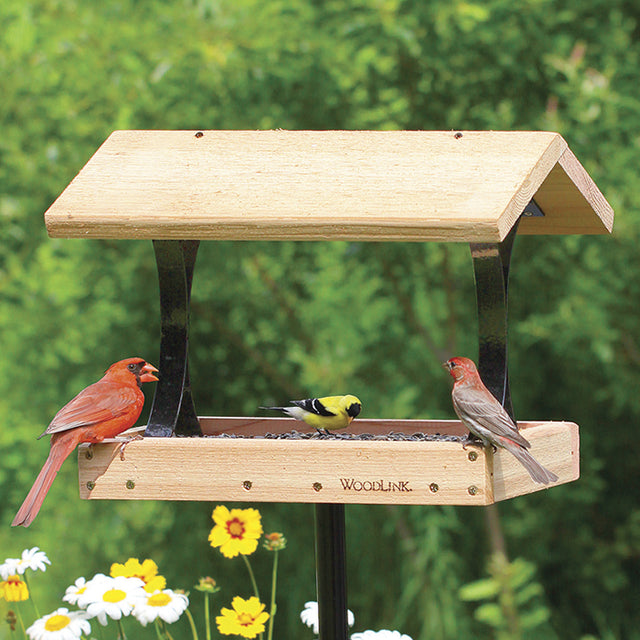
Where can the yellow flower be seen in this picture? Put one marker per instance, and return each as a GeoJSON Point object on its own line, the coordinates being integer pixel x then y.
{"type": "Point", "coordinates": [236, 531]}
{"type": "Point", "coordinates": [147, 572]}
{"type": "Point", "coordinates": [246, 619]}
{"type": "Point", "coordinates": [13, 589]}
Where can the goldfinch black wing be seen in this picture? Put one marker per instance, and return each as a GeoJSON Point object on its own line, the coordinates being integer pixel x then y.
{"type": "Point", "coordinates": [313, 405]}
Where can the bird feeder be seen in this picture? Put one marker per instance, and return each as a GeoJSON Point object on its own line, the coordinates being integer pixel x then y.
{"type": "Point", "coordinates": [177, 188]}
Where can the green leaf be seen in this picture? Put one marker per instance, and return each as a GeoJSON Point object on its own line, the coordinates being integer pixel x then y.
{"type": "Point", "coordinates": [480, 590]}
{"type": "Point", "coordinates": [490, 613]}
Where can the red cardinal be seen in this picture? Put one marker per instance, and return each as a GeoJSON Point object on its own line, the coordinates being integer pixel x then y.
{"type": "Point", "coordinates": [102, 410]}
{"type": "Point", "coordinates": [486, 418]}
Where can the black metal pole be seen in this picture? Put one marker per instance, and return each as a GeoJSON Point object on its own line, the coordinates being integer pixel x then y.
{"type": "Point", "coordinates": [173, 411]}
{"type": "Point", "coordinates": [491, 262]}
{"type": "Point", "coordinates": [331, 573]}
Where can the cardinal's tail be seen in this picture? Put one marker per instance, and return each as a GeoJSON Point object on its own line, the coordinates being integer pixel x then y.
{"type": "Point", "coordinates": [537, 472]}
{"type": "Point", "coordinates": [61, 447]}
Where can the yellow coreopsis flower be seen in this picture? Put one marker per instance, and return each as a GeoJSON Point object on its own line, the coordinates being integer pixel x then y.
{"type": "Point", "coordinates": [13, 589]}
{"type": "Point", "coordinates": [147, 571]}
{"type": "Point", "coordinates": [246, 618]}
{"type": "Point", "coordinates": [236, 531]}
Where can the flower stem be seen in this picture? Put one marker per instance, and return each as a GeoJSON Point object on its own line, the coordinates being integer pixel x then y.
{"type": "Point", "coordinates": [253, 578]}
{"type": "Point", "coordinates": [192, 624]}
{"type": "Point", "coordinates": [158, 633]}
{"type": "Point", "coordinates": [253, 582]}
{"type": "Point", "coordinates": [207, 616]}
{"type": "Point", "coordinates": [20, 620]}
{"type": "Point", "coordinates": [166, 631]}
{"type": "Point", "coordinates": [272, 612]}
{"type": "Point", "coordinates": [121, 634]}
{"type": "Point", "coordinates": [33, 602]}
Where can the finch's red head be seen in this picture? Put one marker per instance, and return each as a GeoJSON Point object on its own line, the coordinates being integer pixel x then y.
{"type": "Point", "coordinates": [139, 368]}
{"type": "Point", "coordinates": [461, 368]}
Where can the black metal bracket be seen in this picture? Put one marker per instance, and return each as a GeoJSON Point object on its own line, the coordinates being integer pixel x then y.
{"type": "Point", "coordinates": [491, 262]}
{"type": "Point", "coordinates": [173, 411]}
{"type": "Point", "coordinates": [331, 580]}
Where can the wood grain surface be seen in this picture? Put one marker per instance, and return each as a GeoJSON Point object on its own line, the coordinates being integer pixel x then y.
{"type": "Point", "coordinates": [256, 469]}
{"type": "Point", "coordinates": [328, 185]}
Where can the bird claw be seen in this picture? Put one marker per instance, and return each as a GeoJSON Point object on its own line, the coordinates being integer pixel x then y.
{"type": "Point", "coordinates": [129, 439]}
{"type": "Point", "coordinates": [472, 441]}
{"type": "Point", "coordinates": [476, 442]}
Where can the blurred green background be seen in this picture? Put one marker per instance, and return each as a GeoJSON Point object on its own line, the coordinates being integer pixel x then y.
{"type": "Point", "coordinates": [273, 321]}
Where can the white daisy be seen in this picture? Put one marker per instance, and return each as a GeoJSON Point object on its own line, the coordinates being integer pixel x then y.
{"type": "Point", "coordinates": [60, 625]}
{"type": "Point", "coordinates": [309, 616]}
{"type": "Point", "coordinates": [10, 568]}
{"type": "Point", "coordinates": [33, 559]}
{"type": "Point", "coordinates": [105, 597]}
{"type": "Point", "coordinates": [82, 598]}
{"type": "Point", "coordinates": [383, 634]}
{"type": "Point", "coordinates": [75, 591]}
{"type": "Point", "coordinates": [166, 605]}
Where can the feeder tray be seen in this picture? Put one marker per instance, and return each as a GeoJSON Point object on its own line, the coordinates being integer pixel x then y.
{"type": "Point", "coordinates": [250, 467]}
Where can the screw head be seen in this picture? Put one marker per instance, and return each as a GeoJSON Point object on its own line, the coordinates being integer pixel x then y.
{"type": "Point", "coordinates": [317, 486]}
{"type": "Point", "coordinates": [199, 134]}
{"type": "Point", "coordinates": [88, 454]}
{"type": "Point", "coordinates": [473, 456]}
{"type": "Point", "coordinates": [247, 484]}
{"type": "Point", "coordinates": [473, 490]}
{"type": "Point", "coordinates": [458, 135]}
{"type": "Point", "coordinates": [130, 484]}
{"type": "Point", "coordinates": [91, 485]}
{"type": "Point", "coordinates": [433, 487]}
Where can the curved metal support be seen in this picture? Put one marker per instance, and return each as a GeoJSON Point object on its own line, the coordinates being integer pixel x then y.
{"type": "Point", "coordinates": [491, 262]}
{"type": "Point", "coordinates": [331, 580]}
{"type": "Point", "coordinates": [173, 411]}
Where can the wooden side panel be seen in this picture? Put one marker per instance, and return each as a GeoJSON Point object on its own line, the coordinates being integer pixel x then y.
{"type": "Point", "coordinates": [256, 469]}
{"type": "Point", "coordinates": [556, 448]}
{"type": "Point", "coordinates": [310, 185]}
{"type": "Point", "coordinates": [565, 197]}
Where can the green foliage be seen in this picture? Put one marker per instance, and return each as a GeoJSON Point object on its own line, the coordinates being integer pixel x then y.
{"type": "Point", "coordinates": [510, 600]}
{"type": "Point", "coordinates": [273, 321]}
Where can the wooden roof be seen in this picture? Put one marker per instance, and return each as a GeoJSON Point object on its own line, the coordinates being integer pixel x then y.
{"type": "Point", "coordinates": [468, 186]}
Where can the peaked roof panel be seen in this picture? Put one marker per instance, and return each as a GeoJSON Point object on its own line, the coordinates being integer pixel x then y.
{"type": "Point", "coordinates": [328, 185]}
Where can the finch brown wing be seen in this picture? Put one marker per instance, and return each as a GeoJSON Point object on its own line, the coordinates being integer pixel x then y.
{"type": "Point", "coordinates": [99, 402]}
{"type": "Point", "coordinates": [480, 407]}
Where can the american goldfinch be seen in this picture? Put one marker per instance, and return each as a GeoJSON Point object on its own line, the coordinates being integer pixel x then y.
{"type": "Point", "coordinates": [487, 419]}
{"type": "Point", "coordinates": [332, 412]}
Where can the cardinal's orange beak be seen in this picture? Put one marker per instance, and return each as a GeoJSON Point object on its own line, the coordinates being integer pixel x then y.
{"type": "Point", "coordinates": [147, 373]}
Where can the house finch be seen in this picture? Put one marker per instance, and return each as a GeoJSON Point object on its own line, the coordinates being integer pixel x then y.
{"type": "Point", "coordinates": [332, 412]}
{"type": "Point", "coordinates": [487, 419]}
{"type": "Point", "coordinates": [102, 410]}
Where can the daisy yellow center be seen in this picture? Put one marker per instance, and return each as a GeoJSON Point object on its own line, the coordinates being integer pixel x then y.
{"type": "Point", "coordinates": [114, 595]}
{"type": "Point", "coordinates": [57, 622]}
{"type": "Point", "coordinates": [235, 528]}
{"type": "Point", "coordinates": [159, 600]}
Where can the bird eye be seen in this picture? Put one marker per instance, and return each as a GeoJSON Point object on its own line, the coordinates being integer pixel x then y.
{"type": "Point", "coordinates": [131, 367]}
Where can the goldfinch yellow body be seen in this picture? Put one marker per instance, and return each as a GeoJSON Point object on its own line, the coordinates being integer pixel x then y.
{"type": "Point", "coordinates": [331, 412]}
